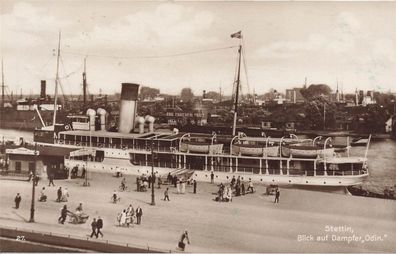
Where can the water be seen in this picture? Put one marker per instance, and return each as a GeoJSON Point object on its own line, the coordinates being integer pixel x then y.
{"type": "Point", "coordinates": [381, 155]}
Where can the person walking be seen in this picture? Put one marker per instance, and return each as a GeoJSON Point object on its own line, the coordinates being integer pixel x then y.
{"type": "Point", "coordinates": [51, 179]}
{"type": "Point", "coordinates": [183, 237]}
{"type": "Point", "coordinates": [277, 195]}
{"type": "Point", "coordinates": [243, 188]}
{"type": "Point", "coordinates": [178, 187]}
{"type": "Point", "coordinates": [159, 182]}
{"type": "Point", "coordinates": [30, 176]}
{"type": "Point", "coordinates": [99, 226]}
{"type": "Point", "coordinates": [149, 181]}
{"type": "Point", "coordinates": [64, 212]}
{"type": "Point", "coordinates": [166, 194]}
{"type": "Point", "coordinates": [175, 180]}
{"type": "Point", "coordinates": [36, 179]}
{"type": "Point", "coordinates": [195, 186]}
{"type": "Point", "coordinates": [83, 172]}
{"type": "Point", "coordinates": [139, 214]}
{"type": "Point", "coordinates": [94, 226]}
{"type": "Point", "coordinates": [212, 177]}
{"type": "Point", "coordinates": [17, 200]}
{"type": "Point", "coordinates": [43, 197]}
{"type": "Point", "coordinates": [59, 194]}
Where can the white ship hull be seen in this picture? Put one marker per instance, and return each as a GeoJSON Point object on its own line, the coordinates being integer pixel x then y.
{"type": "Point", "coordinates": [120, 162]}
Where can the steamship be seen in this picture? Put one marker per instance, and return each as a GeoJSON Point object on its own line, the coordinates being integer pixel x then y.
{"type": "Point", "coordinates": [279, 161]}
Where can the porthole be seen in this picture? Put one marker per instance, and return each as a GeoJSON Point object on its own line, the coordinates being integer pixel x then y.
{"type": "Point", "coordinates": [339, 182]}
{"type": "Point", "coordinates": [306, 181]}
{"type": "Point", "coordinates": [250, 179]}
{"type": "Point", "coordinates": [289, 181]}
{"type": "Point", "coordinates": [205, 175]}
{"type": "Point", "coordinates": [324, 182]}
{"type": "Point", "coordinates": [227, 177]}
{"type": "Point", "coordinates": [261, 179]}
{"type": "Point", "coordinates": [217, 176]}
{"type": "Point", "coordinates": [273, 180]}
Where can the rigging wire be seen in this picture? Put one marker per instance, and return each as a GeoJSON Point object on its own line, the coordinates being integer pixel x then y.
{"type": "Point", "coordinates": [67, 81]}
{"type": "Point", "coordinates": [245, 66]}
{"type": "Point", "coordinates": [152, 57]}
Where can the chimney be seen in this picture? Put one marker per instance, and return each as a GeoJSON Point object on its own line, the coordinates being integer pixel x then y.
{"type": "Point", "coordinates": [102, 114]}
{"type": "Point", "coordinates": [141, 124]}
{"type": "Point", "coordinates": [129, 94]}
{"type": "Point", "coordinates": [204, 94]}
{"type": "Point", "coordinates": [43, 87]}
{"type": "Point", "coordinates": [150, 120]}
{"type": "Point", "coordinates": [91, 113]}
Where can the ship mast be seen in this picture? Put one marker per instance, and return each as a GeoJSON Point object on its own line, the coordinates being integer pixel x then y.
{"type": "Point", "coordinates": [85, 83]}
{"type": "Point", "coordinates": [2, 84]}
{"type": "Point", "coordinates": [237, 35]}
{"type": "Point", "coordinates": [56, 82]}
{"type": "Point", "coordinates": [2, 91]}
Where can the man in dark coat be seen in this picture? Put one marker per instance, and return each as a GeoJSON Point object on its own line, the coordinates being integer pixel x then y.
{"type": "Point", "coordinates": [83, 172]}
{"type": "Point", "coordinates": [51, 179]}
{"type": "Point", "coordinates": [17, 200]}
{"type": "Point", "coordinates": [170, 178]}
{"type": "Point", "coordinates": [99, 225]}
{"type": "Point", "coordinates": [195, 186]}
{"type": "Point", "coordinates": [183, 237]}
{"type": "Point", "coordinates": [277, 194]}
{"type": "Point", "coordinates": [64, 212]}
{"type": "Point", "coordinates": [94, 226]}
{"type": "Point", "coordinates": [149, 181]}
{"type": "Point", "coordinates": [139, 214]}
{"type": "Point", "coordinates": [59, 194]}
{"type": "Point", "coordinates": [212, 177]}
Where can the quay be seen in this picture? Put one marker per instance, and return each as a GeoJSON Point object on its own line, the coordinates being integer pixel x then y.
{"type": "Point", "coordinates": [250, 223]}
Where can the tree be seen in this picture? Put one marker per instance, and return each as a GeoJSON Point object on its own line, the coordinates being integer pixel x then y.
{"type": "Point", "coordinates": [148, 92]}
{"type": "Point", "coordinates": [186, 94]}
{"type": "Point", "coordinates": [213, 95]}
{"type": "Point", "coordinates": [314, 91]}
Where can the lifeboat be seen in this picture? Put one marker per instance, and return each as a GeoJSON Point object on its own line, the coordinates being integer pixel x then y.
{"type": "Point", "coordinates": [307, 151]}
{"type": "Point", "coordinates": [254, 150]}
{"type": "Point", "coordinates": [201, 147]}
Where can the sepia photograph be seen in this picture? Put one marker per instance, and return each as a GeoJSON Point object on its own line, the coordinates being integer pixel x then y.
{"type": "Point", "coordinates": [197, 126]}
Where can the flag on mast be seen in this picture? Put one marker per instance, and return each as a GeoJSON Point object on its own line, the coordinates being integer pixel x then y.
{"type": "Point", "coordinates": [237, 35]}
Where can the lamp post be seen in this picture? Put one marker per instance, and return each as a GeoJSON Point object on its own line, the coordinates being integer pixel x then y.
{"type": "Point", "coordinates": [152, 174]}
{"type": "Point", "coordinates": [33, 184]}
{"type": "Point", "coordinates": [86, 183]}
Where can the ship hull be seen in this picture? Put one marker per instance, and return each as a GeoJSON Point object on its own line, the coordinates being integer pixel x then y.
{"type": "Point", "coordinates": [124, 166]}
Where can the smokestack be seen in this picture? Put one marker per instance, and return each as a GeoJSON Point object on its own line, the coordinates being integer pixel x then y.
{"type": "Point", "coordinates": [43, 87]}
{"type": "Point", "coordinates": [141, 124]}
{"type": "Point", "coordinates": [91, 113]}
{"type": "Point", "coordinates": [129, 94]}
{"type": "Point", "coordinates": [150, 120]}
{"type": "Point", "coordinates": [102, 114]}
{"type": "Point", "coordinates": [204, 94]}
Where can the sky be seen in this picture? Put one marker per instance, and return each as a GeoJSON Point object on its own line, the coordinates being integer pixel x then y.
{"type": "Point", "coordinates": [172, 45]}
